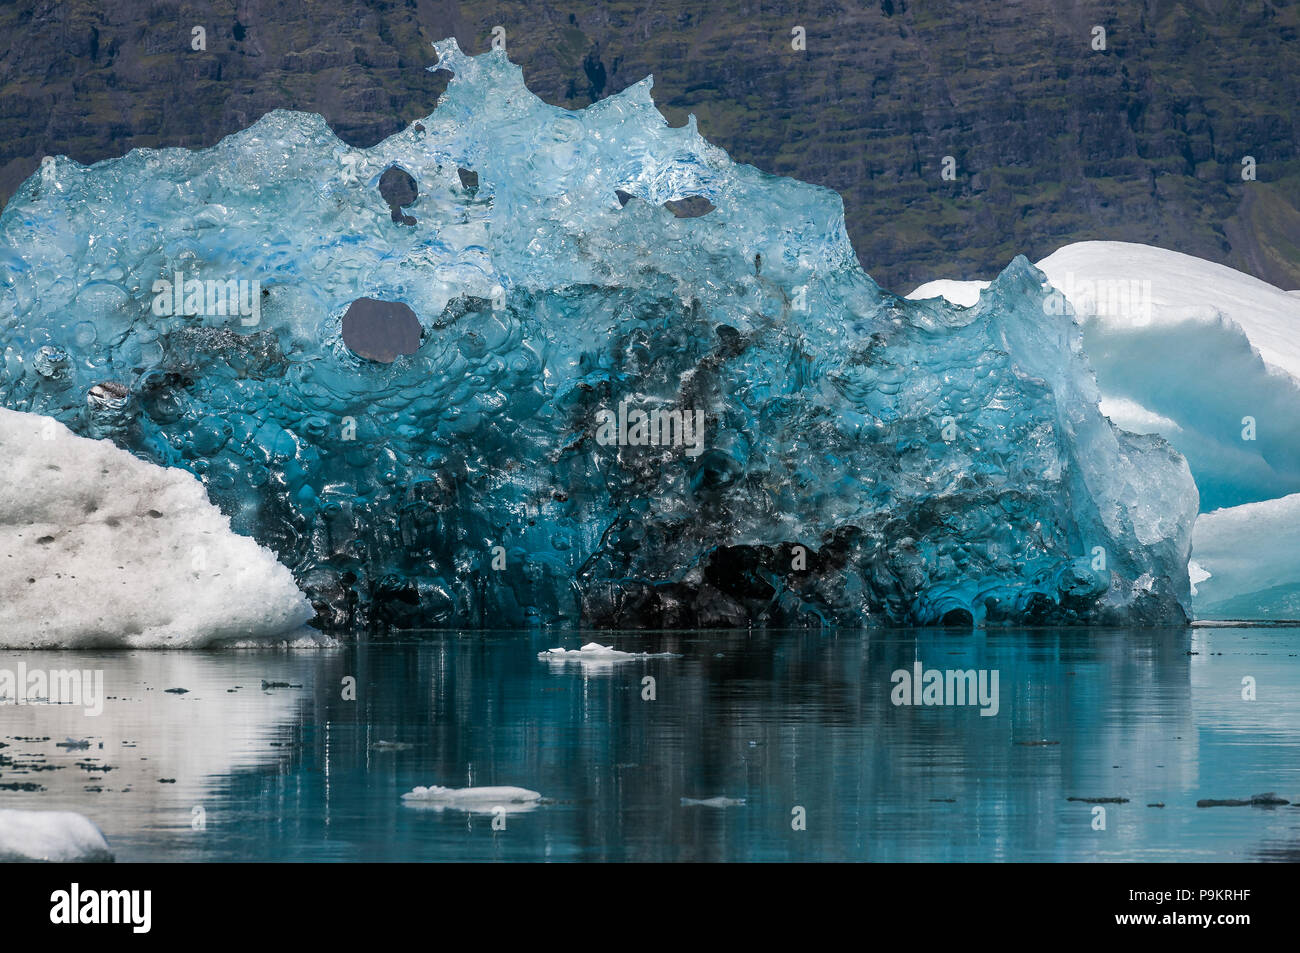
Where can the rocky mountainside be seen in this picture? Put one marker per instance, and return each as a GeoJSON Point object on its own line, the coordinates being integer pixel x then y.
{"type": "Point", "coordinates": [1051, 140]}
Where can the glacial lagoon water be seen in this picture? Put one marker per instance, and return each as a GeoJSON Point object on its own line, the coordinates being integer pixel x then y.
{"type": "Point", "coordinates": [263, 758]}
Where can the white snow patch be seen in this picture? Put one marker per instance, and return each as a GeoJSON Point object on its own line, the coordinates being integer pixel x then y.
{"type": "Point", "coordinates": [99, 548]}
{"type": "Point", "coordinates": [1196, 573]}
{"type": "Point", "coordinates": [61, 837]}
{"type": "Point", "coordinates": [962, 293]}
{"type": "Point", "coordinates": [1135, 418]}
{"type": "Point", "coordinates": [1183, 288]}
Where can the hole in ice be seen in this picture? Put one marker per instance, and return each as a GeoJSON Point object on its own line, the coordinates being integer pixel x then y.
{"type": "Point", "coordinates": [398, 189]}
{"type": "Point", "coordinates": [380, 330]}
{"type": "Point", "coordinates": [468, 178]}
{"type": "Point", "coordinates": [693, 206]}
{"type": "Point", "coordinates": [958, 618]}
{"type": "Point", "coordinates": [714, 471]}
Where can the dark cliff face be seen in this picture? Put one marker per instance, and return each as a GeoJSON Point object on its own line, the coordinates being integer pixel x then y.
{"type": "Point", "coordinates": [1051, 140]}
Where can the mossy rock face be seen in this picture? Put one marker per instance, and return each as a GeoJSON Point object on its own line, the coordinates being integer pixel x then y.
{"type": "Point", "coordinates": [1053, 141]}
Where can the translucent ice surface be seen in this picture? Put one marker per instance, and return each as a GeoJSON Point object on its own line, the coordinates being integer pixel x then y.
{"type": "Point", "coordinates": [651, 387]}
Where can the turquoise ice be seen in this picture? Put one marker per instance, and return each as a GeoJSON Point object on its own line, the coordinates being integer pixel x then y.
{"type": "Point", "coordinates": [864, 459]}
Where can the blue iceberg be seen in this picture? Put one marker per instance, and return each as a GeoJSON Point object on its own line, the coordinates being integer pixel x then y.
{"type": "Point", "coordinates": [648, 387]}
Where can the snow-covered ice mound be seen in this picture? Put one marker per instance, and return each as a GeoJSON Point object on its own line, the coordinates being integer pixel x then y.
{"type": "Point", "coordinates": [100, 548]}
{"type": "Point", "coordinates": [51, 836]}
{"type": "Point", "coordinates": [955, 291]}
{"type": "Point", "coordinates": [1251, 554]}
{"type": "Point", "coordinates": [1207, 356]}
{"type": "Point", "coordinates": [1188, 349]}
{"type": "Point", "coordinates": [1184, 288]}
{"type": "Point", "coordinates": [479, 800]}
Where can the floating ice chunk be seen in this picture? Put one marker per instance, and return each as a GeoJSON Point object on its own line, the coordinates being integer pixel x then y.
{"type": "Point", "coordinates": [100, 548]}
{"type": "Point", "coordinates": [595, 652]}
{"type": "Point", "coordinates": [478, 800]}
{"type": "Point", "coordinates": [715, 801]}
{"type": "Point", "coordinates": [303, 637]}
{"type": "Point", "coordinates": [503, 793]}
{"type": "Point", "coordinates": [1246, 561]}
{"type": "Point", "coordinates": [63, 837]}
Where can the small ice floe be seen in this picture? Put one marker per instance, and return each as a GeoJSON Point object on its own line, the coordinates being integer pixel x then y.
{"type": "Point", "coordinates": [484, 800]}
{"type": "Point", "coordinates": [1256, 800]}
{"type": "Point", "coordinates": [597, 654]}
{"type": "Point", "coordinates": [391, 746]}
{"type": "Point", "coordinates": [715, 801]}
{"type": "Point", "coordinates": [61, 837]}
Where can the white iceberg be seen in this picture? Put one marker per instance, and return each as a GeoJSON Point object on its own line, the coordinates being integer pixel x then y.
{"type": "Point", "coordinates": [1206, 356]}
{"type": "Point", "coordinates": [1246, 561]}
{"type": "Point", "coordinates": [100, 548]}
{"type": "Point", "coordinates": [61, 837]}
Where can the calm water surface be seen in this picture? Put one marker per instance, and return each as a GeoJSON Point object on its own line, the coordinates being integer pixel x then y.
{"type": "Point", "coordinates": [230, 770]}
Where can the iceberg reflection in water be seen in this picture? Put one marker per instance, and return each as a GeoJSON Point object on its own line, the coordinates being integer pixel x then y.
{"type": "Point", "coordinates": [783, 720]}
